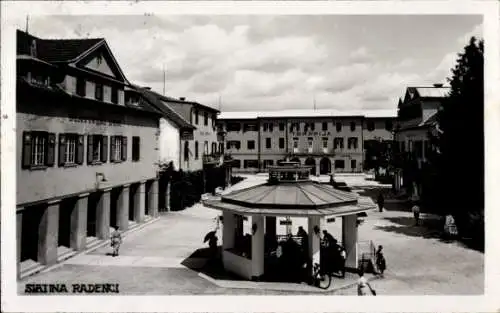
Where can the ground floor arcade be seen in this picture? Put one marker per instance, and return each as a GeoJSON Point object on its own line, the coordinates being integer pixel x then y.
{"type": "Point", "coordinates": [53, 229]}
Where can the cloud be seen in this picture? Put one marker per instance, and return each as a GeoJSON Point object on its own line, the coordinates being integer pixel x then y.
{"type": "Point", "coordinates": [361, 55]}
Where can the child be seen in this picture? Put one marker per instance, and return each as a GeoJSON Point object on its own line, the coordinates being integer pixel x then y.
{"type": "Point", "coordinates": [116, 240]}
{"type": "Point", "coordinates": [380, 260]}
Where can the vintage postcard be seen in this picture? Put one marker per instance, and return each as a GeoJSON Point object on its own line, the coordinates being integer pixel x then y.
{"type": "Point", "coordinates": [325, 150]}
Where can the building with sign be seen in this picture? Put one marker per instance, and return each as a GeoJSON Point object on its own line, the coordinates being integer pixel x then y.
{"type": "Point", "coordinates": [328, 140]}
{"type": "Point", "coordinates": [87, 149]}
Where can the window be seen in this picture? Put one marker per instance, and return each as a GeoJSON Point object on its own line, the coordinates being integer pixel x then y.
{"type": "Point", "coordinates": [38, 149]}
{"type": "Point", "coordinates": [250, 164]}
{"type": "Point", "coordinates": [353, 126]}
{"type": "Point", "coordinates": [221, 147]}
{"type": "Point", "coordinates": [196, 152]}
{"type": "Point", "coordinates": [80, 87]}
{"type": "Point", "coordinates": [70, 149]}
{"type": "Point", "coordinates": [295, 143]}
{"type": "Point", "coordinates": [268, 163]}
{"type": "Point", "coordinates": [308, 126]}
{"type": "Point", "coordinates": [339, 164]}
{"type": "Point", "coordinates": [233, 127]}
{"type": "Point", "coordinates": [268, 143]}
{"type": "Point", "coordinates": [324, 126]}
{"type": "Point", "coordinates": [352, 143]}
{"type": "Point", "coordinates": [99, 59]}
{"type": "Point", "coordinates": [388, 125]}
{"type": "Point", "coordinates": [205, 147]}
{"type": "Point", "coordinates": [114, 95]}
{"type": "Point", "coordinates": [271, 126]}
{"type": "Point", "coordinates": [251, 144]}
{"type": "Point", "coordinates": [310, 142]}
{"type": "Point", "coordinates": [338, 126]}
{"type": "Point", "coordinates": [214, 148]}
{"type": "Point", "coordinates": [186, 150]}
{"type": "Point", "coordinates": [370, 126]}
{"type": "Point", "coordinates": [282, 143]}
{"type": "Point", "coordinates": [312, 126]}
{"type": "Point", "coordinates": [353, 164]}
{"type": "Point", "coordinates": [294, 126]}
{"type": "Point", "coordinates": [264, 127]}
{"type": "Point", "coordinates": [136, 148]}
{"type": "Point", "coordinates": [282, 127]}
{"type": "Point", "coordinates": [325, 142]}
{"type": "Point", "coordinates": [196, 117]}
{"type": "Point", "coordinates": [234, 144]}
{"type": "Point", "coordinates": [118, 148]}
{"type": "Point", "coordinates": [236, 163]}
{"type": "Point", "coordinates": [249, 127]}
{"type": "Point", "coordinates": [97, 149]}
{"type": "Point", "coordinates": [338, 143]}
{"type": "Point", "coordinates": [98, 91]}
{"type": "Point", "coordinates": [205, 117]}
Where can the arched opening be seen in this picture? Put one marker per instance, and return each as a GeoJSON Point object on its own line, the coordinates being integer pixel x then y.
{"type": "Point", "coordinates": [325, 166]}
{"type": "Point", "coordinates": [311, 162]}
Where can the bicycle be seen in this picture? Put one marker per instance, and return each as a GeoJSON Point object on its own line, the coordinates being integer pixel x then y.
{"type": "Point", "coordinates": [320, 279]}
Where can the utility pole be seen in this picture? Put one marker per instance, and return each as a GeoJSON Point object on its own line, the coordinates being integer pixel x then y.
{"type": "Point", "coordinates": [314, 102]}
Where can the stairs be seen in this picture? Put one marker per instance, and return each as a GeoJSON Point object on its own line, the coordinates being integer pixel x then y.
{"type": "Point", "coordinates": [30, 267]}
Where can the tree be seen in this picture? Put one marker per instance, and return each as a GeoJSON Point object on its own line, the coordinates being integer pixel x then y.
{"type": "Point", "coordinates": [459, 160]}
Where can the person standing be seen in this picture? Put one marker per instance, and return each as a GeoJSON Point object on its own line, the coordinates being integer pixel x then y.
{"type": "Point", "coordinates": [380, 260]}
{"type": "Point", "coordinates": [116, 241]}
{"type": "Point", "coordinates": [380, 202]}
{"type": "Point", "coordinates": [416, 213]}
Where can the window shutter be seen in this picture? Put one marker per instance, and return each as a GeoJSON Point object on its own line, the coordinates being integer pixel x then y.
{"type": "Point", "coordinates": [27, 139]}
{"type": "Point", "coordinates": [113, 148]}
{"type": "Point", "coordinates": [124, 148]}
{"type": "Point", "coordinates": [51, 149]}
{"type": "Point", "coordinates": [90, 150]}
{"type": "Point", "coordinates": [79, 149]}
{"type": "Point", "coordinates": [62, 141]}
{"type": "Point", "coordinates": [104, 149]}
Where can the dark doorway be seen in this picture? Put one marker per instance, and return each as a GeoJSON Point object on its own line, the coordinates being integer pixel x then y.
{"type": "Point", "coordinates": [325, 166]}
{"type": "Point", "coordinates": [113, 220]}
{"type": "Point", "coordinates": [148, 186]}
{"type": "Point", "coordinates": [312, 163]}
{"type": "Point", "coordinates": [93, 201]}
{"type": "Point", "coordinates": [32, 217]}
{"type": "Point", "coordinates": [65, 209]}
{"type": "Point", "coordinates": [133, 190]}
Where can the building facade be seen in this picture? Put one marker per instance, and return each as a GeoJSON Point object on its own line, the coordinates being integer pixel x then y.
{"type": "Point", "coordinates": [327, 141]}
{"type": "Point", "coordinates": [87, 150]}
{"type": "Point", "coordinates": [417, 118]}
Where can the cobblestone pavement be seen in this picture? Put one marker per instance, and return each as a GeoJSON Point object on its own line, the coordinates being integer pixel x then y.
{"type": "Point", "coordinates": [151, 259]}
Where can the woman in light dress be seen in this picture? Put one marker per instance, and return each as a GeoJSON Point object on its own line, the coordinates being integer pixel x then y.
{"type": "Point", "coordinates": [364, 285]}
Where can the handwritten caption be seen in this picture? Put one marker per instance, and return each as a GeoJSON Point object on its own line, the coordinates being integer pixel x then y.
{"type": "Point", "coordinates": [72, 288]}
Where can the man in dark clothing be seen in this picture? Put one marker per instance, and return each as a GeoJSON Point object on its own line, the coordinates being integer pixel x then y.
{"type": "Point", "coordinates": [380, 202]}
{"type": "Point", "coordinates": [328, 238]}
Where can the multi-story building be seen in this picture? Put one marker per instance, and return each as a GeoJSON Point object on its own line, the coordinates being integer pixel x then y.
{"type": "Point", "coordinates": [203, 147]}
{"type": "Point", "coordinates": [87, 149]}
{"type": "Point", "coordinates": [326, 140]}
{"type": "Point", "coordinates": [417, 117]}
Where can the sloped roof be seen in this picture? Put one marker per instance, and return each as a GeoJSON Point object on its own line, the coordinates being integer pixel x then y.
{"type": "Point", "coordinates": [326, 113]}
{"type": "Point", "coordinates": [55, 50]}
{"type": "Point", "coordinates": [157, 100]}
{"type": "Point", "coordinates": [433, 92]}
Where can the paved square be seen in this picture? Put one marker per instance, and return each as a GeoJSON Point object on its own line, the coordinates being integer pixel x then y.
{"type": "Point", "coordinates": [151, 259]}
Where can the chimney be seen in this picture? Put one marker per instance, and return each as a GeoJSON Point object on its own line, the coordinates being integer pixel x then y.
{"type": "Point", "coordinates": [438, 85]}
{"type": "Point", "coordinates": [182, 98]}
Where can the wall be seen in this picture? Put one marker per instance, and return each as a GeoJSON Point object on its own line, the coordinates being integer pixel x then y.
{"type": "Point", "coordinates": [169, 143]}
{"type": "Point", "coordinates": [379, 131]}
{"type": "Point", "coordinates": [243, 153]}
{"type": "Point", "coordinates": [35, 185]}
{"type": "Point", "coordinates": [237, 264]}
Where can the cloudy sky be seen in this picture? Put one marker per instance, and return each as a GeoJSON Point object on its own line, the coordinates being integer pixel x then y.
{"type": "Point", "coordinates": [272, 62]}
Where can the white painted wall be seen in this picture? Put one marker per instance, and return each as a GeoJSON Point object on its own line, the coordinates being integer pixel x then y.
{"type": "Point", "coordinates": [237, 264]}
{"type": "Point", "coordinates": [169, 142]}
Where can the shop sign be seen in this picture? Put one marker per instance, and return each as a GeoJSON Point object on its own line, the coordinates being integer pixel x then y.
{"type": "Point", "coordinates": [94, 121]}
{"type": "Point", "coordinates": [311, 134]}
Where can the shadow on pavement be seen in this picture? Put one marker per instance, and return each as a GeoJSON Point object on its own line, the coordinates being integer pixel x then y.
{"type": "Point", "coordinates": [203, 261]}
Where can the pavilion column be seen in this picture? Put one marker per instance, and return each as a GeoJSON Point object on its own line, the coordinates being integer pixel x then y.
{"type": "Point", "coordinates": [153, 199]}
{"type": "Point", "coordinates": [257, 247]}
{"type": "Point", "coordinates": [140, 202]}
{"type": "Point", "coordinates": [103, 215]}
{"type": "Point", "coordinates": [48, 234]}
{"type": "Point", "coordinates": [314, 239]}
{"type": "Point", "coordinates": [317, 166]}
{"type": "Point", "coordinates": [350, 240]}
{"type": "Point", "coordinates": [228, 230]}
{"type": "Point", "coordinates": [19, 238]}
